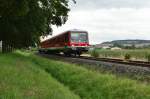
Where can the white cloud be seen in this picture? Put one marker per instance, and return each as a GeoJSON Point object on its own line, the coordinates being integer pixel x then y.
{"type": "Point", "coordinates": [97, 4]}
{"type": "Point", "coordinates": [107, 20]}
{"type": "Point", "coordinates": [110, 24]}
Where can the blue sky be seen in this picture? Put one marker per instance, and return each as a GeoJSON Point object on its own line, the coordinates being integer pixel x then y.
{"type": "Point", "coordinates": [107, 20]}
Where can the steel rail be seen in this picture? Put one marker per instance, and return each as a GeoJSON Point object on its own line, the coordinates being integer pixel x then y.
{"type": "Point", "coordinates": [110, 60]}
{"type": "Point", "coordinates": [120, 61]}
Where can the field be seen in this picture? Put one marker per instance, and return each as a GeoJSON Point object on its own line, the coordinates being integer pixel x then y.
{"type": "Point", "coordinates": [27, 76]}
{"type": "Point", "coordinates": [136, 54]}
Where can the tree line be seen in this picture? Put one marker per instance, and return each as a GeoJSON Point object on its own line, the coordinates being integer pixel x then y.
{"type": "Point", "coordinates": [22, 22]}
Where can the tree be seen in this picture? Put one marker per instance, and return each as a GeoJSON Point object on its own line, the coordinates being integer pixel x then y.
{"type": "Point", "coordinates": [117, 45]}
{"type": "Point", "coordinates": [22, 22]}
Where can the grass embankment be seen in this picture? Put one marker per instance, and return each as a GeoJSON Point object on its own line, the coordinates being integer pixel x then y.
{"type": "Point", "coordinates": [24, 76]}
{"type": "Point", "coordinates": [92, 85]}
{"type": "Point", "coordinates": [21, 79]}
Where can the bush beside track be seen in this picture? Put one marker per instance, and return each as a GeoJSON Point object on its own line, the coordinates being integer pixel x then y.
{"type": "Point", "coordinates": [21, 79]}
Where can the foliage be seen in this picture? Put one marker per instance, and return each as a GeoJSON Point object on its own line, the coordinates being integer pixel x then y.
{"type": "Point", "coordinates": [117, 45]}
{"type": "Point", "coordinates": [21, 79]}
{"type": "Point", "coordinates": [148, 57]}
{"type": "Point", "coordinates": [94, 53]}
{"type": "Point", "coordinates": [127, 56]}
{"type": "Point", "coordinates": [23, 22]}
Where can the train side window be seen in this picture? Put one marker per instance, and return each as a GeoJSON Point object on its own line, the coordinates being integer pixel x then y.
{"type": "Point", "coordinates": [66, 37]}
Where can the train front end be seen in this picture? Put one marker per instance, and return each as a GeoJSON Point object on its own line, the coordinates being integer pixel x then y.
{"type": "Point", "coordinates": [79, 42]}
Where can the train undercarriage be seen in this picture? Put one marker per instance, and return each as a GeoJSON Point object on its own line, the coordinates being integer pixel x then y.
{"type": "Point", "coordinates": [72, 51]}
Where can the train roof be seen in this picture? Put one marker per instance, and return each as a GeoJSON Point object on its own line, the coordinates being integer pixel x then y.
{"type": "Point", "coordinates": [76, 30]}
{"type": "Point", "coordinates": [73, 30]}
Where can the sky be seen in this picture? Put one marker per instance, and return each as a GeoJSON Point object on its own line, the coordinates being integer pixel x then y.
{"type": "Point", "coordinates": [107, 20]}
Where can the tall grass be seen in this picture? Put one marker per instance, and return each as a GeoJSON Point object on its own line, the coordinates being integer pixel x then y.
{"type": "Point", "coordinates": [135, 53]}
{"type": "Point", "coordinates": [148, 57]}
{"type": "Point", "coordinates": [92, 85]}
{"type": "Point", "coordinates": [95, 53]}
{"type": "Point", "coordinates": [21, 79]}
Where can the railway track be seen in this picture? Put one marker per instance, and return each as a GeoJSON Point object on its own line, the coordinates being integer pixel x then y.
{"type": "Point", "coordinates": [116, 66]}
{"type": "Point", "coordinates": [120, 61]}
{"type": "Point", "coordinates": [111, 60]}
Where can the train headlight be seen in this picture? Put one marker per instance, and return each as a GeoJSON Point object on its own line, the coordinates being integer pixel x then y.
{"type": "Point", "coordinates": [74, 48]}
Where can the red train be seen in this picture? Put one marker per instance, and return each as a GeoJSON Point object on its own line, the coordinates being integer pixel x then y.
{"type": "Point", "coordinates": [72, 42]}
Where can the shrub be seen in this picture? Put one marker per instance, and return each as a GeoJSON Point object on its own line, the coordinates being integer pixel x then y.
{"type": "Point", "coordinates": [127, 56]}
{"type": "Point", "coordinates": [94, 53]}
{"type": "Point", "coordinates": [148, 57]}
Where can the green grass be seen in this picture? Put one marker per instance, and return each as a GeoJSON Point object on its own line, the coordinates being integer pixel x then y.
{"type": "Point", "coordinates": [92, 85]}
{"type": "Point", "coordinates": [21, 79]}
{"type": "Point", "coordinates": [24, 75]}
{"type": "Point", "coordinates": [135, 53]}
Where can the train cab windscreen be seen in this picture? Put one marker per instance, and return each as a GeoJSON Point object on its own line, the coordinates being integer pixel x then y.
{"type": "Point", "coordinates": [79, 37]}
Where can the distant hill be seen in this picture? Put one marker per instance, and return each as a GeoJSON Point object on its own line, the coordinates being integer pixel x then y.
{"type": "Point", "coordinates": [125, 43]}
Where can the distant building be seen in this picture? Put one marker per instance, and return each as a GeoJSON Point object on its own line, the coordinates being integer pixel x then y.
{"type": "Point", "coordinates": [127, 45]}
{"type": "Point", "coordinates": [142, 45]}
{"type": "Point", "coordinates": [116, 48]}
{"type": "Point", "coordinates": [104, 46]}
